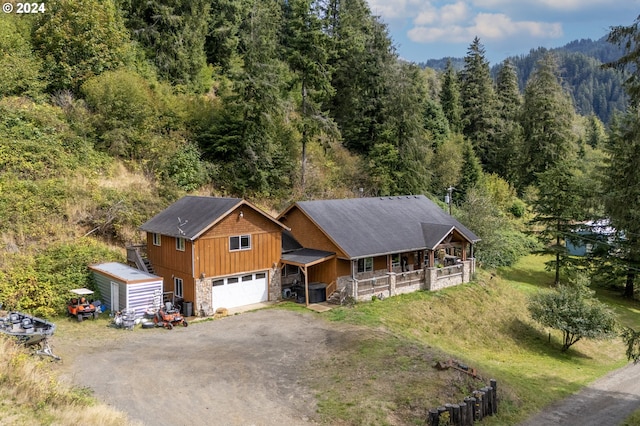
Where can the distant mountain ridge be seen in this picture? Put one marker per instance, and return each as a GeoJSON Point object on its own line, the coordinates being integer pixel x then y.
{"type": "Point", "coordinates": [595, 90]}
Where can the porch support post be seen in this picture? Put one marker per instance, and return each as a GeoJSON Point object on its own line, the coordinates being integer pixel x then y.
{"type": "Point", "coordinates": [306, 286]}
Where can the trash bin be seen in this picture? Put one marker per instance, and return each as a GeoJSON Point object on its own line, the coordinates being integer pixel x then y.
{"type": "Point", "coordinates": [188, 309]}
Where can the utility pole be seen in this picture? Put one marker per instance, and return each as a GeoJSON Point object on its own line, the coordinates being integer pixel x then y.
{"type": "Point", "coordinates": [448, 199]}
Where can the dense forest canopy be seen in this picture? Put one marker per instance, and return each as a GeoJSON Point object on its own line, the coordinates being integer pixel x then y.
{"type": "Point", "coordinates": [112, 109]}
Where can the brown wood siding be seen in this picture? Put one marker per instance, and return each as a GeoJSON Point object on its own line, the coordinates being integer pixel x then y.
{"type": "Point", "coordinates": [212, 254]}
{"type": "Point", "coordinates": [380, 262]}
{"type": "Point", "coordinates": [343, 268]}
{"type": "Point", "coordinates": [167, 256]}
{"type": "Point", "coordinates": [188, 282]}
{"type": "Point", "coordinates": [213, 257]}
{"type": "Point", "coordinates": [324, 272]}
{"type": "Point", "coordinates": [307, 233]}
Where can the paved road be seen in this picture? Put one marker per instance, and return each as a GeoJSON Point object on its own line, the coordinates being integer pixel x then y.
{"type": "Point", "coordinates": [606, 402]}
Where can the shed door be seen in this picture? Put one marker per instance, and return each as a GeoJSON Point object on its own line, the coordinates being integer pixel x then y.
{"type": "Point", "coordinates": [115, 297]}
{"type": "Point", "coordinates": [240, 290]}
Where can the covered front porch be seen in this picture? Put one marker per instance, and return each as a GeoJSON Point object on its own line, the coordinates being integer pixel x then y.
{"type": "Point", "coordinates": [308, 275]}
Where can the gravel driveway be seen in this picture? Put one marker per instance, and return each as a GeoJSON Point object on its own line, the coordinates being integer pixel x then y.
{"type": "Point", "coordinates": [606, 402]}
{"type": "Point", "coordinates": [245, 369]}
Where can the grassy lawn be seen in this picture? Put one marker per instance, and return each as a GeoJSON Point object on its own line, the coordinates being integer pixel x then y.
{"type": "Point", "coordinates": [390, 379]}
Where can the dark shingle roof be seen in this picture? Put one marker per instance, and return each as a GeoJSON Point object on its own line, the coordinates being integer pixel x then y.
{"type": "Point", "coordinates": [306, 256]}
{"type": "Point", "coordinates": [190, 216]}
{"type": "Point", "coordinates": [365, 227]}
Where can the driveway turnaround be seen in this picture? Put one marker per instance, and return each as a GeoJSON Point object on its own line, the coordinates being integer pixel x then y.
{"type": "Point", "coordinates": [244, 369]}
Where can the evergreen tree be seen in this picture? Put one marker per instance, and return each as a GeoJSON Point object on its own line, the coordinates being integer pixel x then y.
{"type": "Point", "coordinates": [173, 34]}
{"type": "Point", "coordinates": [547, 117]}
{"type": "Point", "coordinates": [621, 189]}
{"type": "Point", "coordinates": [362, 56]}
{"type": "Point", "coordinates": [450, 98]}
{"type": "Point", "coordinates": [478, 104]}
{"type": "Point", "coordinates": [403, 109]}
{"type": "Point", "coordinates": [557, 209]}
{"type": "Point", "coordinates": [435, 123]}
{"type": "Point", "coordinates": [628, 37]}
{"type": "Point", "coordinates": [508, 151]}
{"type": "Point", "coordinates": [307, 53]}
{"type": "Point", "coordinates": [249, 138]}
{"type": "Point", "coordinates": [223, 38]}
{"type": "Point", "coordinates": [471, 171]}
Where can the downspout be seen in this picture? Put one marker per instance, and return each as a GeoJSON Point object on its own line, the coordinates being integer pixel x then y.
{"type": "Point", "coordinates": [193, 272]}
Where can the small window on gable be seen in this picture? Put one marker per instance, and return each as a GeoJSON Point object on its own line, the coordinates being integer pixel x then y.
{"type": "Point", "coordinates": [365, 265]}
{"type": "Point", "coordinates": [157, 239]}
{"type": "Point", "coordinates": [180, 244]}
{"type": "Point", "coordinates": [240, 242]}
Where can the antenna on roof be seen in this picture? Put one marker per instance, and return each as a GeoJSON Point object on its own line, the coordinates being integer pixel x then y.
{"type": "Point", "coordinates": [180, 225]}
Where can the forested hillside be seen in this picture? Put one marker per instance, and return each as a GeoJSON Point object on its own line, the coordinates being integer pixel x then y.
{"type": "Point", "coordinates": [594, 89]}
{"type": "Point", "coordinates": [112, 109]}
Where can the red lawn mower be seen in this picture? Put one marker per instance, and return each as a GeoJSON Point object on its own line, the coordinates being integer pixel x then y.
{"type": "Point", "coordinates": [169, 315]}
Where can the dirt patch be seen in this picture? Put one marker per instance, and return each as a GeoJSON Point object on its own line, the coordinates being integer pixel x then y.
{"type": "Point", "coordinates": [246, 369]}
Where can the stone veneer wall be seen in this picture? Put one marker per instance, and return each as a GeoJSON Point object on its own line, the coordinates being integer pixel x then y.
{"type": "Point", "coordinates": [439, 278]}
{"type": "Point", "coordinates": [275, 284]}
{"type": "Point", "coordinates": [406, 282]}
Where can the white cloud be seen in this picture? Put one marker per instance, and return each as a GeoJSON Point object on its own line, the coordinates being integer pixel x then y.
{"type": "Point", "coordinates": [447, 15]}
{"type": "Point", "coordinates": [551, 5]}
{"type": "Point", "coordinates": [397, 9]}
{"type": "Point", "coordinates": [486, 26]}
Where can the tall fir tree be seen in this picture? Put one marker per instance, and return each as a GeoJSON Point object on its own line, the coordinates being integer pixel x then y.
{"type": "Point", "coordinates": [361, 59]}
{"type": "Point", "coordinates": [450, 98]}
{"type": "Point", "coordinates": [307, 50]}
{"type": "Point", "coordinates": [173, 34]}
{"type": "Point", "coordinates": [557, 209]}
{"type": "Point", "coordinates": [621, 188]}
{"type": "Point", "coordinates": [622, 176]}
{"type": "Point", "coordinates": [249, 137]}
{"type": "Point", "coordinates": [547, 119]}
{"type": "Point", "coordinates": [478, 103]}
{"type": "Point", "coordinates": [223, 38]}
{"type": "Point", "coordinates": [507, 157]}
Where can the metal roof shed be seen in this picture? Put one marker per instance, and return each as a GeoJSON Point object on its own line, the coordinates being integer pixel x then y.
{"type": "Point", "coordinates": [124, 287]}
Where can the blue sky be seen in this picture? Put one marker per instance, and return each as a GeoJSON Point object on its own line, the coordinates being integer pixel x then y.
{"type": "Point", "coordinates": [423, 29]}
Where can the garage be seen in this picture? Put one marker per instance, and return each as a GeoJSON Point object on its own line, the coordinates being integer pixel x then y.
{"type": "Point", "coordinates": [123, 287]}
{"type": "Point", "coordinates": [239, 290]}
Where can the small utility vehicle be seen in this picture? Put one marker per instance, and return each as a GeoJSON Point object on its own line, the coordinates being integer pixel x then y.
{"type": "Point", "coordinates": [81, 306]}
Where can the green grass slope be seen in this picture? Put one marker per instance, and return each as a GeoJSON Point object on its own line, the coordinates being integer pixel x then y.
{"type": "Point", "coordinates": [389, 377]}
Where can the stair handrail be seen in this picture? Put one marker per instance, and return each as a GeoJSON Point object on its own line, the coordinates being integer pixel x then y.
{"type": "Point", "coordinates": [133, 255]}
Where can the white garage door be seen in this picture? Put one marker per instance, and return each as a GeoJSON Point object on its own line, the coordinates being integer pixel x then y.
{"type": "Point", "coordinates": [240, 290]}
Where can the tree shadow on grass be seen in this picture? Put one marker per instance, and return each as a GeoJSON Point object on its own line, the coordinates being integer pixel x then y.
{"type": "Point", "coordinates": [539, 342]}
{"type": "Point", "coordinates": [541, 279]}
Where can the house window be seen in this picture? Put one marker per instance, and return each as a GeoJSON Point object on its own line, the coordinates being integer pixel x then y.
{"type": "Point", "coordinates": [177, 286]}
{"type": "Point", "coordinates": [156, 239]}
{"type": "Point", "coordinates": [288, 270]}
{"type": "Point", "coordinates": [365, 265]}
{"type": "Point", "coordinates": [395, 260]}
{"type": "Point", "coordinates": [240, 242]}
{"type": "Point", "coordinates": [180, 244]}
